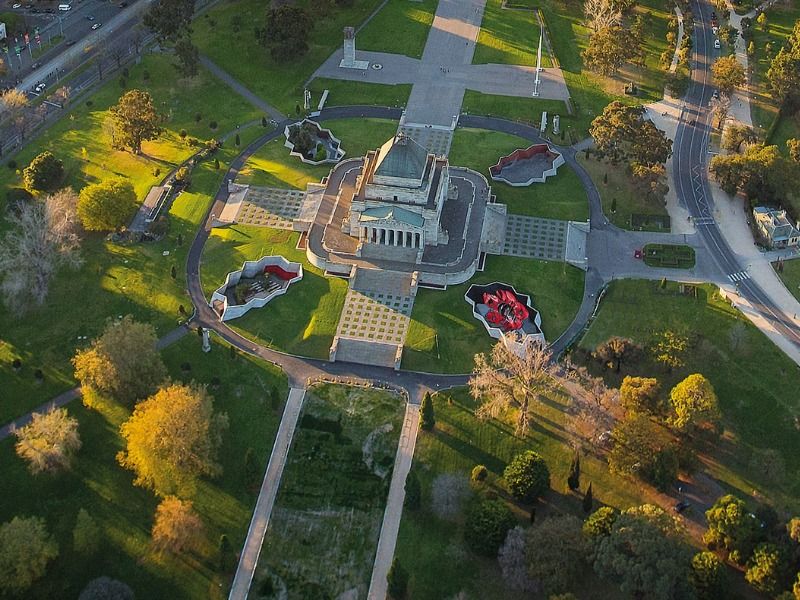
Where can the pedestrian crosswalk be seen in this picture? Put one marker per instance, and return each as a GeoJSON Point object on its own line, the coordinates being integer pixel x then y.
{"type": "Point", "coordinates": [740, 276]}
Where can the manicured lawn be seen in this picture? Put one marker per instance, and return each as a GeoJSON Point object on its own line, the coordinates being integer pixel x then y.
{"type": "Point", "coordinates": [346, 93]}
{"type": "Point", "coordinates": [790, 276]}
{"type": "Point", "coordinates": [124, 512]}
{"type": "Point", "coordinates": [459, 442]}
{"type": "Point", "coordinates": [618, 192]}
{"type": "Point", "coordinates": [401, 27]}
{"type": "Point", "coordinates": [525, 110]}
{"type": "Point", "coordinates": [560, 197]}
{"type": "Point", "coordinates": [115, 279]}
{"type": "Point", "coordinates": [509, 37]}
{"type": "Point", "coordinates": [280, 82]}
{"type": "Point", "coordinates": [444, 336]}
{"type": "Point", "coordinates": [669, 256]}
{"type": "Point", "coordinates": [324, 528]}
{"type": "Point", "coordinates": [756, 383]}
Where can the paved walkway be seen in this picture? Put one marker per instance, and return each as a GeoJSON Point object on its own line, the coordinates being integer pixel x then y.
{"type": "Point", "coordinates": [394, 504]}
{"type": "Point", "coordinates": [266, 497]}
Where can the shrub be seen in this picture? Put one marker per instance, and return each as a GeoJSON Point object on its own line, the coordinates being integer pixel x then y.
{"type": "Point", "coordinates": [486, 526]}
{"type": "Point", "coordinates": [183, 134]}
{"type": "Point", "coordinates": [198, 117]}
{"type": "Point", "coordinates": [413, 491]}
{"type": "Point", "coordinates": [479, 474]}
{"type": "Point", "coordinates": [44, 173]}
{"type": "Point", "coordinates": [527, 476]}
{"type": "Point", "coordinates": [212, 124]}
{"type": "Point", "coordinates": [89, 103]}
{"type": "Point", "coordinates": [12, 164]}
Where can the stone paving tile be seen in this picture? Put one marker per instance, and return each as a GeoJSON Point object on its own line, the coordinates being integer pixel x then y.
{"type": "Point", "coordinates": [373, 316]}
{"type": "Point", "coordinates": [532, 237]}
{"type": "Point", "coordinates": [271, 207]}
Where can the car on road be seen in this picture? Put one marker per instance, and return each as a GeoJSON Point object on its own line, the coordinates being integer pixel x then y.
{"type": "Point", "coordinates": [681, 506]}
{"type": "Point", "coordinates": [715, 95]}
{"type": "Point", "coordinates": [90, 17]}
{"type": "Point", "coordinates": [36, 65]}
{"type": "Point", "coordinates": [637, 254]}
{"type": "Point", "coordinates": [717, 45]}
{"type": "Point", "coordinates": [16, 5]}
{"type": "Point", "coordinates": [96, 26]}
{"type": "Point", "coordinates": [64, 7]}
{"type": "Point", "coordinates": [40, 87]}
{"type": "Point", "coordinates": [715, 29]}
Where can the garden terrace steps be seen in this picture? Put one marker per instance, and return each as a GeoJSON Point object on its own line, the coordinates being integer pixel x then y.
{"type": "Point", "coordinates": [376, 280]}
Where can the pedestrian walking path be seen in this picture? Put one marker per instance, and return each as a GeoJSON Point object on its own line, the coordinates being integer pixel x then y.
{"type": "Point", "coordinates": [394, 504]}
{"type": "Point", "coordinates": [241, 89]}
{"type": "Point", "coordinates": [266, 497]}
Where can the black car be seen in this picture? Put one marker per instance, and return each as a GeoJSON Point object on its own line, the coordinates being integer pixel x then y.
{"type": "Point", "coordinates": [681, 506]}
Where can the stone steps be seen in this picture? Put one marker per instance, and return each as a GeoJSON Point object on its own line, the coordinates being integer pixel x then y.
{"type": "Point", "coordinates": [366, 352]}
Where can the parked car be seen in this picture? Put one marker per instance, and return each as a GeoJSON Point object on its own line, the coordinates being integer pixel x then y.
{"type": "Point", "coordinates": [40, 87]}
{"type": "Point", "coordinates": [637, 254]}
{"type": "Point", "coordinates": [717, 45]}
{"type": "Point", "coordinates": [681, 506]}
{"type": "Point", "coordinates": [716, 94]}
{"type": "Point", "coordinates": [16, 5]}
{"type": "Point", "coordinates": [90, 17]}
{"type": "Point", "coordinates": [96, 26]}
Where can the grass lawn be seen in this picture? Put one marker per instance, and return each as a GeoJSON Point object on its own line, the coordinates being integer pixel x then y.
{"type": "Point", "coordinates": [618, 193]}
{"type": "Point", "coordinates": [669, 255]}
{"type": "Point", "coordinates": [444, 336]}
{"type": "Point", "coordinates": [346, 93]}
{"type": "Point", "coordinates": [525, 110]}
{"type": "Point", "coordinates": [324, 528]}
{"type": "Point", "coordinates": [458, 443]}
{"type": "Point", "coordinates": [790, 276]}
{"type": "Point", "coordinates": [114, 279]}
{"type": "Point", "coordinates": [756, 383]}
{"type": "Point", "coordinates": [124, 512]}
{"type": "Point", "coordinates": [560, 197]}
{"type": "Point", "coordinates": [401, 27]}
{"type": "Point", "coordinates": [279, 82]}
{"type": "Point", "coordinates": [509, 37]}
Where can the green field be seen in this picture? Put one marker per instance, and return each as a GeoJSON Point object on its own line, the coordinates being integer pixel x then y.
{"type": "Point", "coordinates": [125, 513]}
{"type": "Point", "coordinates": [754, 380]}
{"type": "Point", "coordinates": [509, 37]}
{"type": "Point", "coordinates": [444, 336]}
{"type": "Point", "coordinates": [524, 110]}
{"type": "Point", "coordinates": [560, 197]}
{"type": "Point", "coordinates": [790, 275]}
{"type": "Point", "coordinates": [324, 527]}
{"type": "Point", "coordinates": [401, 27]}
{"type": "Point", "coordinates": [346, 93]}
{"type": "Point", "coordinates": [669, 256]}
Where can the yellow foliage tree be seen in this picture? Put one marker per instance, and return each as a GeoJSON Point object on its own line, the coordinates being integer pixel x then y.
{"type": "Point", "coordinates": [177, 528]}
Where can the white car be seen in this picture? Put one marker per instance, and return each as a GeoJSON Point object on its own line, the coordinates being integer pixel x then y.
{"type": "Point", "coordinates": [717, 45]}
{"type": "Point", "coordinates": [96, 26]}
{"type": "Point", "coordinates": [16, 5]}
{"type": "Point", "coordinates": [715, 29]}
{"type": "Point", "coordinates": [40, 87]}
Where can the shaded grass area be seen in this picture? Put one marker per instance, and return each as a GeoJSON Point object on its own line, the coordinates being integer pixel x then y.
{"type": "Point", "coordinates": [324, 528]}
{"type": "Point", "coordinates": [560, 197]}
{"type": "Point", "coordinates": [277, 81]}
{"type": "Point", "coordinates": [790, 275]}
{"type": "Point", "coordinates": [461, 441]}
{"type": "Point", "coordinates": [524, 110]}
{"type": "Point", "coordinates": [754, 380]}
{"type": "Point", "coordinates": [115, 279]}
{"type": "Point", "coordinates": [668, 255]}
{"type": "Point", "coordinates": [508, 37]}
{"type": "Point", "coordinates": [620, 199]}
{"type": "Point", "coordinates": [401, 27]}
{"type": "Point", "coordinates": [443, 336]}
{"type": "Point", "coordinates": [124, 512]}
{"type": "Point", "coordinates": [346, 93]}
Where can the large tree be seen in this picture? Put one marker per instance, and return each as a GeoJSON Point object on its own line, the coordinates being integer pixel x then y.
{"type": "Point", "coordinates": [513, 561]}
{"type": "Point", "coordinates": [44, 173]}
{"type": "Point", "coordinates": [527, 476]}
{"type": "Point", "coordinates": [644, 552]}
{"type": "Point", "coordinates": [169, 18]}
{"type": "Point", "coordinates": [793, 149]}
{"type": "Point", "coordinates": [286, 32]}
{"type": "Point", "coordinates": [556, 553]}
{"type": "Point", "coordinates": [640, 395]}
{"type": "Point", "coordinates": [708, 577]}
{"type": "Point", "coordinates": [135, 120]}
{"type": "Point", "coordinates": [761, 172]}
{"type": "Point", "coordinates": [601, 14]}
{"type": "Point", "coordinates": [177, 527]}
{"type": "Point", "coordinates": [486, 526]}
{"type": "Point", "coordinates": [727, 74]}
{"type": "Point", "coordinates": [173, 438]}
{"type": "Point", "coordinates": [784, 71]}
{"type": "Point", "coordinates": [765, 569]}
{"type": "Point", "coordinates": [123, 362]}
{"type": "Point", "coordinates": [86, 535]}
{"type": "Point", "coordinates": [611, 47]}
{"type": "Point", "coordinates": [622, 133]}
{"type": "Point", "coordinates": [731, 527]}
{"type": "Point", "coordinates": [49, 442]}
{"type": "Point", "coordinates": [615, 351]}
{"type": "Point", "coordinates": [14, 107]}
{"type": "Point", "coordinates": [694, 404]}
{"type": "Point", "coordinates": [25, 550]}
{"type": "Point", "coordinates": [43, 237]}
{"type": "Point", "coordinates": [188, 57]}
{"type": "Point", "coordinates": [107, 206]}
{"type": "Point", "coordinates": [506, 380]}
{"type": "Point", "coordinates": [644, 448]}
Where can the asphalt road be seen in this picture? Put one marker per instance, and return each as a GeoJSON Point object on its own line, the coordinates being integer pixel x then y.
{"type": "Point", "coordinates": [691, 175]}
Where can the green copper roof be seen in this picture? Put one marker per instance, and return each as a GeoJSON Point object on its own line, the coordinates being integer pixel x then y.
{"type": "Point", "coordinates": [394, 213]}
{"type": "Point", "coordinates": [402, 157]}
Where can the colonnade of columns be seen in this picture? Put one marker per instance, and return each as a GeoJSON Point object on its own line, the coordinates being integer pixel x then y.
{"type": "Point", "coordinates": [391, 237]}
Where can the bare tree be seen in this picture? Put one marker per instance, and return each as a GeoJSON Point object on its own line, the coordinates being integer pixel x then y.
{"type": "Point", "coordinates": [601, 14]}
{"type": "Point", "coordinates": [14, 107]}
{"type": "Point", "coordinates": [44, 235]}
{"type": "Point", "coordinates": [513, 562]}
{"type": "Point", "coordinates": [720, 109]}
{"type": "Point", "coordinates": [49, 441]}
{"type": "Point", "coordinates": [448, 493]}
{"type": "Point", "coordinates": [505, 380]}
{"type": "Point", "coordinates": [118, 52]}
{"type": "Point", "coordinates": [61, 95]}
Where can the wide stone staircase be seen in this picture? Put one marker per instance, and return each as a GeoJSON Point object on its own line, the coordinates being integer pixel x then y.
{"type": "Point", "coordinates": [375, 317]}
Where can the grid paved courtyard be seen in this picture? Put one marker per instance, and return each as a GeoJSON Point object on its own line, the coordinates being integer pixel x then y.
{"type": "Point", "coordinates": [375, 317]}
{"type": "Point", "coordinates": [532, 237]}
{"type": "Point", "coordinates": [271, 207]}
{"type": "Point", "coordinates": [433, 139]}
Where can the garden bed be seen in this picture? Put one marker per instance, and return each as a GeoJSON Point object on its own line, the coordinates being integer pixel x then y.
{"type": "Point", "coordinates": [670, 256]}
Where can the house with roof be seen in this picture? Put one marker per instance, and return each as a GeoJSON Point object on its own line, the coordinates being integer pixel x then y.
{"type": "Point", "coordinates": [776, 227]}
{"type": "Point", "coordinates": [399, 195]}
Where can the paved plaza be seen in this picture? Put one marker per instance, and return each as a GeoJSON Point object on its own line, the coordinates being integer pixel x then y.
{"type": "Point", "coordinates": [270, 207]}
{"type": "Point", "coordinates": [434, 139]}
{"type": "Point", "coordinates": [532, 237]}
{"type": "Point", "coordinates": [373, 316]}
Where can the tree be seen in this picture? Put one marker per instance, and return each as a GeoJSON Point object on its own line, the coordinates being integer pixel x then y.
{"type": "Point", "coordinates": [707, 576]}
{"type": "Point", "coordinates": [227, 557]}
{"type": "Point", "coordinates": [600, 523]}
{"type": "Point", "coordinates": [601, 14]}
{"type": "Point", "coordinates": [668, 347]}
{"type": "Point", "coordinates": [135, 120]}
{"type": "Point", "coordinates": [639, 395]}
{"type": "Point", "coordinates": [252, 473]}
{"type": "Point", "coordinates": [731, 527]}
{"type": "Point", "coordinates": [397, 581]}
{"type": "Point", "coordinates": [645, 554]}
{"type": "Point", "coordinates": [735, 135]}
{"type": "Point", "coordinates": [14, 107]}
{"type": "Point", "coordinates": [107, 206]}
{"type": "Point", "coordinates": [169, 18]}
{"type": "Point", "coordinates": [25, 550]}
{"type": "Point", "coordinates": [188, 57]}
{"type": "Point", "coordinates": [650, 181]}
{"type": "Point", "coordinates": [574, 477]}
{"type": "Point", "coordinates": [286, 32]}
{"type": "Point", "coordinates": [727, 74]}
{"type": "Point", "coordinates": [123, 362]}
{"type": "Point", "coordinates": [44, 173]}
{"type": "Point", "coordinates": [486, 526]}
{"type": "Point", "coordinates": [86, 535]}
{"type": "Point", "coordinates": [623, 134]}
{"type": "Point", "coordinates": [479, 474]}
{"type": "Point", "coordinates": [527, 476]}
{"type": "Point", "coordinates": [513, 562]}
{"type": "Point", "coordinates": [694, 404]}
{"type": "Point", "coordinates": [793, 148]}
{"type": "Point", "coordinates": [720, 108]}
{"type": "Point", "coordinates": [413, 489]}
{"type": "Point", "coordinates": [105, 588]}
{"type": "Point", "coordinates": [173, 438]}
{"type": "Point", "coordinates": [645, 449]}
{"type": "Point", "coordinates": [506, 380]}
{"type": "Point", "coordinates": [427, 418]}
{"type": "Point", "coordinates": [49, 441]}
{"type": "Point", "coordinates": [784, 75]}
{"type": "Point", "coordinates": [555, 552]}
{"type": "Point", "coordinates": [3, 68]}
{"type": "Point", "coordinates": [764, 569]}
{"type": "Point", "coordinates": [177, 528]}
{"type": "Point", "coordinates": [611, 47]}
{"type": "Point", "coordinates": [616, 350]}
{"type": "Point", "coordinates": [793, 529]}
{"type": "Point", "coordinates": [760, 172]}
{"type": "Point", "coordinates": [588, 500]}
